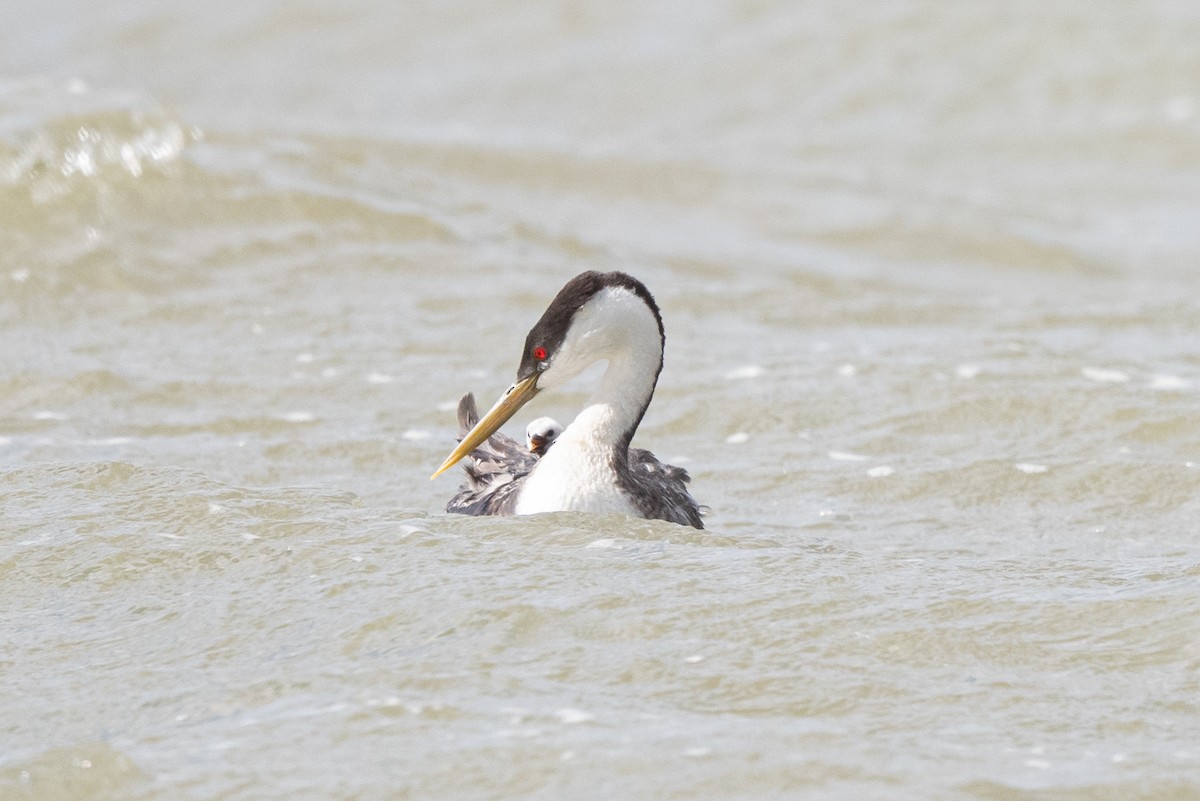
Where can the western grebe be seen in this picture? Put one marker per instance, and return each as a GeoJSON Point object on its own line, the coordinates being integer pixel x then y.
{"type": "Point", "coordinates": [540, 434]}
{"type": "Point", "coordinates": [591, 468]}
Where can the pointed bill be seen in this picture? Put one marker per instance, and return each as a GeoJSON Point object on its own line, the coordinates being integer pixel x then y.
{"type": "Point", "coordinates": [517, 396]}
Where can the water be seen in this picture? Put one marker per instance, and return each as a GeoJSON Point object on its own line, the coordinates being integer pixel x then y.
{"type": "Point", "coordinates": [928, 276]}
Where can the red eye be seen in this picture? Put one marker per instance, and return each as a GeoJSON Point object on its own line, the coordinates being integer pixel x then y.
{"type": "Point", "coordinates": [540, 353]}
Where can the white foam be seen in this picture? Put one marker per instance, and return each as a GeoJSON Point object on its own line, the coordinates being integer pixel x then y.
{"type": "Point", "coordinates": [1031, 469]}
{"type": "Point", "coordinates": [744, 372]}
{"type": "Point", "coordinates": [1168, 382]}
{"type": "Point", "coordinates": [1105, 376]}
{"type": "Point", "coordinates": [602, 544]}
{"type": "Point", "coordinates": [573, 716]}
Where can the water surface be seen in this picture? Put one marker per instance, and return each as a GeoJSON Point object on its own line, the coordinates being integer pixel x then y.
{"type": "Point", "coordinates": [928, 277]}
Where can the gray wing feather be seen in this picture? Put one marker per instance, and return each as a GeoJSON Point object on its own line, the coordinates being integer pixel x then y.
{"type": "Point", "coordinates": [495, 470]}
{"type": "Point", "coordinates": [660, 489]}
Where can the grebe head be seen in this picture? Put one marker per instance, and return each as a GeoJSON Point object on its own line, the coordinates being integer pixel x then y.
{"type": "Point", "coordinates": [540, 435]}
{"type": "Point", "coordinates": [594, 317]}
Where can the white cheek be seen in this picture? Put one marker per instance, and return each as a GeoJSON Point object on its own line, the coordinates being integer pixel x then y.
{"type": "Point", "coordinates": [566, 365]}
{"type": "Point", "coordinates": [606, 327]}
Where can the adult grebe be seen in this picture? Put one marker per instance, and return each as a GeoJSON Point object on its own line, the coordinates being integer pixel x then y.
{"type": "Point", "coordinates": [591, 468]}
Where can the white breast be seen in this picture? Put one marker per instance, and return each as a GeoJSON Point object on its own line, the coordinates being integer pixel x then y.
{"type": "Point", "coordinates": [575, 476]}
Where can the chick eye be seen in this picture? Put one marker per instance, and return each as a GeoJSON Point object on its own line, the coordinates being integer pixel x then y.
{"type": "Point", "coordinates": [540, 353]}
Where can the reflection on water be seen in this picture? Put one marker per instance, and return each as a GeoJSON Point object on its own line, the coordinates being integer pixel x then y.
{"type": "Point", "coordinates": [927, 280]}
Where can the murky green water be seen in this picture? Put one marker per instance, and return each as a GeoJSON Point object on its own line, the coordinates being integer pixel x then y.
{"type": "Point", "coordinates": [929, 280]}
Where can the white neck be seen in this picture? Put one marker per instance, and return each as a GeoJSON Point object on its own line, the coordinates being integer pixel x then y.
{"type": "Point", "coordinates": [578, 474]}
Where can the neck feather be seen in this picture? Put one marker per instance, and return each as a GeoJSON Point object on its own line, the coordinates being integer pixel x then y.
{"type": "Point", "coordinates": [633, 345]}
{"type": "Point", "coordinates": [613, 413]}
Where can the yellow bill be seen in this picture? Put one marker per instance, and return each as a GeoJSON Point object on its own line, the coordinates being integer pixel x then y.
{"type": "Point", "coordinates": [510, 402]}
